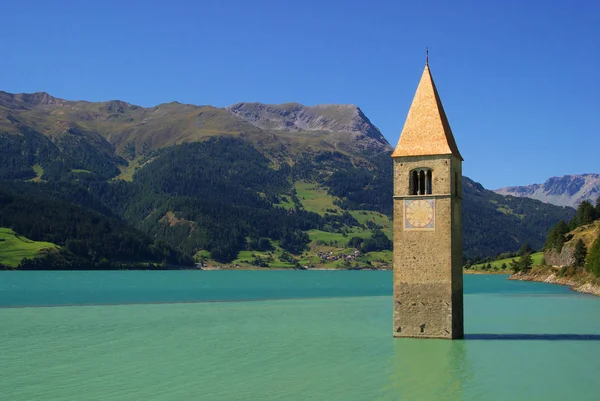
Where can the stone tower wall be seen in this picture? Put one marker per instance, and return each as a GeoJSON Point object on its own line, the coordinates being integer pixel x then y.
{"type": "Point", "coordinates": [427, 263]}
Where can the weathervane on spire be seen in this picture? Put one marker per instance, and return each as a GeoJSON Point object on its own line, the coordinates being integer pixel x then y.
{"type": "Point", "coordinates": [427, 56]}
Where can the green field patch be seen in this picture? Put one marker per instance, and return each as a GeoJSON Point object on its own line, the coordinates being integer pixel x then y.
{"type": "Point", "coordinates": [272, 259]}
{"type": "Point", "coordinates": [497, 264]}
{"type": "Point", "coordinates": [326, 236]}
{"type": "Point", "coordinates": [126, 172]}
{"type": "Point", "coordinates": [507, 211]}
{"type": "Point", "coordinates": [281, 265]}
{"type": "Point", "coordinates": [337, 264]}
{"type": "Point", "coordinates": [250, 255]}
{"type": "Point", "coordinates": [201, 256]}
{"type": "Point", "coordinates": [13, 247]}
{"type": "Point", "coordinates": [537, 258]}
{"type": "Point", "coordinates": [314, 198]}
{"type": "Point", "coordinates": [363, 216]}
{"type": "Point", "coordinates": [340, 239]}
{"type": "Point", "coordinates": [129, 170]}
{"type": "Point", "coordinates": [80, 171]}
{"type": "Point", "coordinates": [285, 202]}
{"type": "Point", "coordinates": [39, 171]}
{"type": "Point", "coordinates": [309, 260]}
{"type": "Point", "coordinates": [381, 256]}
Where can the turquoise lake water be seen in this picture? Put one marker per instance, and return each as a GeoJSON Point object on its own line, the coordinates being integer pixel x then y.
{"type": "Point", "coordinates": [285, 335]}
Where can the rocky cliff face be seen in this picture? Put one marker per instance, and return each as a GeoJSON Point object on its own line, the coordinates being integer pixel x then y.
{"type": "Point", "coordinates": [329, 118]}
{"type": "Point", "coordinates": [568, 190]}
{"type": "Point", "coordinates": [562, 258]}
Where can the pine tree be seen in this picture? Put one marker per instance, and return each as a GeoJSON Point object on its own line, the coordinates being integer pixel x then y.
{"type": "Point", "coordinates": [526, 248]}
{"type": "Point", "coordinates": [526, 262]}
{"type": "Point", "coordinates": [589, 214]}
{"type": "Point", "coordinates": [556, 236]}
{"type": "Point", "coordinates": [598, 208]}
{"type": "Point", "coordinates": [586, 214]}
{"type": "Point", "coordinates": [593, 258]}
{"type": "Point", "coordinates": [579, 254]}
{"type": "Point", "coordinates": [515, 265]}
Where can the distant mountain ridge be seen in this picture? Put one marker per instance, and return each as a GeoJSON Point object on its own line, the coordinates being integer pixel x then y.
{"type": "Point", "coordinates": [29, 100]}
{"type": "Point", "coordinates": [568, 190]}
{"type": "Point", "coordinates": [134, 130]}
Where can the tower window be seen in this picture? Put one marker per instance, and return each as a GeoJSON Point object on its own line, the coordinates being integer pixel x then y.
{"type": "Point", "coordinates": [428, 182]}
{"type": "Point", "coordinates": [414, 182]}
{"type": "Point", "coordinates": [421, 182]}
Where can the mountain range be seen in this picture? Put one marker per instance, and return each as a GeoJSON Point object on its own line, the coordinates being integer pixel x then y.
{"type": "Point", "coordinates": [277, 185]}
{"type": "Point", "coordinates": [130, 131]}
{"type": "Point", "coordinates": [568, 190]}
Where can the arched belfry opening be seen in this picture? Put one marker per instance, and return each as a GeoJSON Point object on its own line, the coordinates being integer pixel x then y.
{"type": "Point", "coordinates": [421, 181]}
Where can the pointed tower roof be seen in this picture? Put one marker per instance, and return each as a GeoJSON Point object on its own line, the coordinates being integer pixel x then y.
{"type": "Point", "coordinates": [426, 130]}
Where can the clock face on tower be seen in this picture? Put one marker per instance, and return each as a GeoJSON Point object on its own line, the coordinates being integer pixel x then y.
{"type": "Point", "coordinates": [419, 214]}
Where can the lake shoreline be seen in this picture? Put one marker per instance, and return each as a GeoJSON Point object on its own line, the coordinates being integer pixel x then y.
{"type": "Point", "coordinates": [247, 268]}
{"type": "Point", "coordinates": [582, 281]}
{"type": "Point", "coordinates": [490, 272]}
{"type": "Point", "coordinates": [230, 268]}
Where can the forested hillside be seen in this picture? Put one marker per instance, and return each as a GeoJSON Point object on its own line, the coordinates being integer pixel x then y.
{"type": "Point", "coordinates": [87, 238]}
{"type": "Point", "coordinates": [221, 189]}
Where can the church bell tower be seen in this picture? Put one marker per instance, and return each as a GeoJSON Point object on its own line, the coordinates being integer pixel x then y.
{"type": "Point", "coordinates": [428, 282]}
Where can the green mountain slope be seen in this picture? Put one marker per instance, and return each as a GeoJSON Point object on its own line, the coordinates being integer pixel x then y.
{"type": "Point", "coordinates": [289, 184]}
{"type": "Point", "coordinates": [493, 222]}
{"type": "Point", "coordinates": [227, 186]}
{"type": "Point", "coordinates": [109, 133]}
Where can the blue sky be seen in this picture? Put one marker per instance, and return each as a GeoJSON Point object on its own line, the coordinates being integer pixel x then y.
{"type": "Point", "coordinates": [519, 81]}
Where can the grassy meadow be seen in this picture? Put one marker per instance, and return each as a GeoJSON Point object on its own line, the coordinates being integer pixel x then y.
{"type": "Point", "coordinates": [315, 198]}
{"type": "Point", "coordinates": [39, 171]}
{"type": "Point", "coordinates": [497, 264]}
{"type": "Point", "coordinates": [13, 247]}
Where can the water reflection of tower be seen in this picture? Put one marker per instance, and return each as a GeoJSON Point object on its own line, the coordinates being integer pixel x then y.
{"type": "Point", "coordinates": [428, 370]}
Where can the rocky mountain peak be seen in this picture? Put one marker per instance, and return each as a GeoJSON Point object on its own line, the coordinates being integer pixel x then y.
{"type": "Point", "coordinates": [568, 190]}
{"type": "Point", "coordinates": [294, 117]}
{"type": "Point", "coordinates": [119, 106]}
{"type": "Point", "coordinates": [29, 100]}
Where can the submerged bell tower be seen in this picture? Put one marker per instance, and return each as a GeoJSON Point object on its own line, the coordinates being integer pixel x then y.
{"type": "Point", "coordinates": [428, 282]}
